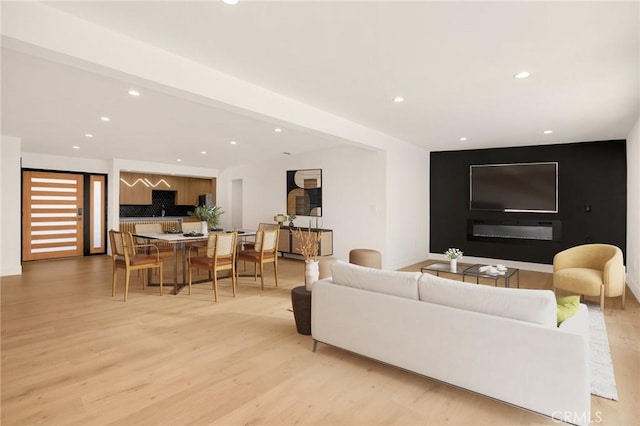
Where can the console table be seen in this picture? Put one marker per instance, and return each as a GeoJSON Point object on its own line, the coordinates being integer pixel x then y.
{"type": "Point", "coordinates": [288, 245]}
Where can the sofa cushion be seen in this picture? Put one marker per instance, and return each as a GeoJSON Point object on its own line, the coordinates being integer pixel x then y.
{"type": "Point", "coordinates": [535, 306]}
{"type": "Point", "coordinates": [396, 283]}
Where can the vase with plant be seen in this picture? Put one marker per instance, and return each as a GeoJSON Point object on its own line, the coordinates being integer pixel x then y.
{"type": "Point", "coordinates": [453, 254]}
{"type": "Point", "coordinates": [209, 216]}
{"type": "Point", "coordinates": [308, 243]}
{"type": "Point", "coordinates": [291, 218]}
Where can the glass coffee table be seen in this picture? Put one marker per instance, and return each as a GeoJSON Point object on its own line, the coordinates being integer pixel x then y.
{"type": "Point", "coordinates": [474, 271]}
{"type": "Point", "coordinates": [507, 274]}
{"type": "Point", "coordinates": [440, 267]}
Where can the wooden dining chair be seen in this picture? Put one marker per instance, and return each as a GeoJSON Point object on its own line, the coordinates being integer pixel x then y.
{"type": "Point", "coordinates": [187, 227]}
{"type": "Point", "coordinates": [251, 245]}
{"type": "Point", "coordinates": [165, 249]}
{"type": "Point", "coordinates": [191, 227]}
{"type": "Point", "coordinates": [220, 256]}
{"type": "Point", "coordinates": [124, 253]}
{"type": "Point", "coordinates": [265, 251]}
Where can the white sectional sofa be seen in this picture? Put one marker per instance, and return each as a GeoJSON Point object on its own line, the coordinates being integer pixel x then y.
{"type": "Point", "coordinates": [501, 342]}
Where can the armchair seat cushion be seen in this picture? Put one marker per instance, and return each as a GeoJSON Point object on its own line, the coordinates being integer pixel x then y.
{"type": "Point", "coordinates": [579, 280]}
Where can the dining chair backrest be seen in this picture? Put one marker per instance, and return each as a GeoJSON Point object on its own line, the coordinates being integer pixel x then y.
{"type": "Point", "coordinates": [226, 244]}
{"type": "Point", "coordinates": [269, 240]}
{"type": "Point", "coordinates": [191, 227]}
{"type": "Point", "coordinates": [149, 228]}
{"type": "Point", "coordinates": [268, 226]}
{"type": "Point", "coordinates": [122, 244]}
{"type": "Point", "coordinates": [221, 244]}
{"type": "Point", "coordinates": [263, 226]}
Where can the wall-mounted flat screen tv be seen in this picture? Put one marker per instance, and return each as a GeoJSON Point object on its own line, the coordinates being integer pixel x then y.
{"type": "Point", "coordinates": [517, 187]}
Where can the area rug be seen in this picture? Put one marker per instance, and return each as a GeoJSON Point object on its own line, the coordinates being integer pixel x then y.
{"type": "Point", "coordinates": [603, 381]}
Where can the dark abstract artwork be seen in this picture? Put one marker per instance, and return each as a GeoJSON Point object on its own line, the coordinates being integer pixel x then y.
{"type": "Point", "coordinates": [304, 192]}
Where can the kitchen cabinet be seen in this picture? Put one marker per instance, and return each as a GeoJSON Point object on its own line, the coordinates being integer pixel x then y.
{"type": "Point", "coordinates": [202, 186]}
{"type": "Point", "coordinates": [136, 188]}
{"type": "Point", "coordinates": [183, 194]}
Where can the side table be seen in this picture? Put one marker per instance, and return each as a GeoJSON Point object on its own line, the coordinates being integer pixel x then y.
{"type": "Point", "coordinates": [301, 301]}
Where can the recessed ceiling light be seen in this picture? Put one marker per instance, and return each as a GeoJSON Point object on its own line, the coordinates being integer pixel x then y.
{"type": "Point", "coordinates": [286, 153]}
{"type": "Point", "coordinates": [134, 92]}
{"type": "Point", "coordinates": [75, 147]}
{"type": "Point", "coordinates": [521, 75]}
{"type": "Point", "coordinates": [178, 159]}
{"type": "Point", "coordinates": [105, 118]}
{"type": "Point", "coordinates": [89, 135]}
{"type": "Point", "coordinates": [463, 139]}
{"type": "Point", "coordinates": [277, 130]}
{"type": "Point", "coordinates": [398, 99]}
{"type": "Point", "coordinates": [231, 2]}
{"type": "Point", "coordinates": [203, 152]}
{"type": "Point", "coordinates": [233, 142]}
{"type": "Point", "coordinates": [546, 132]}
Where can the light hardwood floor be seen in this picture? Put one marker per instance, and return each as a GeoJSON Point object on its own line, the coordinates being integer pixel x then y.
{"type": "Point", "coordinates": [73, 355]}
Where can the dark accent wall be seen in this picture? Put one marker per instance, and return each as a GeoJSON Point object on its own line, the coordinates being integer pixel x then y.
{"type": "Point", "coordinates": [591, 176]}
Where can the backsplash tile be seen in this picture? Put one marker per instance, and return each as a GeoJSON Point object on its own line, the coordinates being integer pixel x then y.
{"type": "Point", "coordinates": [159, 199]}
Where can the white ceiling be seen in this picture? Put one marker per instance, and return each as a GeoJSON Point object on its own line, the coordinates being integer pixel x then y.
{"type": "Point", "coordinates": [453, 63]}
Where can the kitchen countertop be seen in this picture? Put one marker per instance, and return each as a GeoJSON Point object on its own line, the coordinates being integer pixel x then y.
{"type": "Point", "coordinates": [158, 218]}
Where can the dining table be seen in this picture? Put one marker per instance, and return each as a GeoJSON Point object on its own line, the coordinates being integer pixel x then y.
{"type": "Point", "coordinates": [180, 242]}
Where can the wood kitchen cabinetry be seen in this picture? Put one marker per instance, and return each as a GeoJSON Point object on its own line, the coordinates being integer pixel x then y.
{"type": "Point", "coordinates": [199, 186]}
{"type": "Point", "coordinates": [183, 193]}
{"type": "Point", "coordinates": [136, 188]}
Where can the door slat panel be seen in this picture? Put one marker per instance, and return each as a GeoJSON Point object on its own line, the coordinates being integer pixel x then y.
{"type": "Point", "coordinates": [52, 222]}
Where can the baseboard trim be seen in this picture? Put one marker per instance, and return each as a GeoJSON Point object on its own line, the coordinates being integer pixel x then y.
{"type": "Point", "coordinates": [634, 287]}
{"type": "Point", "coordinates": [12, 270]}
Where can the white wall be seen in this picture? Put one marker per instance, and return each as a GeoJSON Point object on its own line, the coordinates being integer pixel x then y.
{"type": "Point", "coordinates": [407, 206]}
{"type": "Point", "coordinates": [371, 198]}
{"type": "Point", "coordinates": [32, 160]}
{"type": "Point", "coordinates": [633, 210]}
{"type": "Point", "coordinates": [10, 229]}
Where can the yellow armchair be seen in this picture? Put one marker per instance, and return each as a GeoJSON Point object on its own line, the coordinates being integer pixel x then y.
{"type": "Point", "coordinates": [590, 270]}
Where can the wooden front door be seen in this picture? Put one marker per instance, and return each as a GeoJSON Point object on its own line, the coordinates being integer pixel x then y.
{"type": "Point", "coordinates": [52, 215]}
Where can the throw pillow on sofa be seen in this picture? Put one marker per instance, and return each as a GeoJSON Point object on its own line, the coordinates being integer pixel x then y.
{"type": "Point", "coordinates": [567, 307]}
